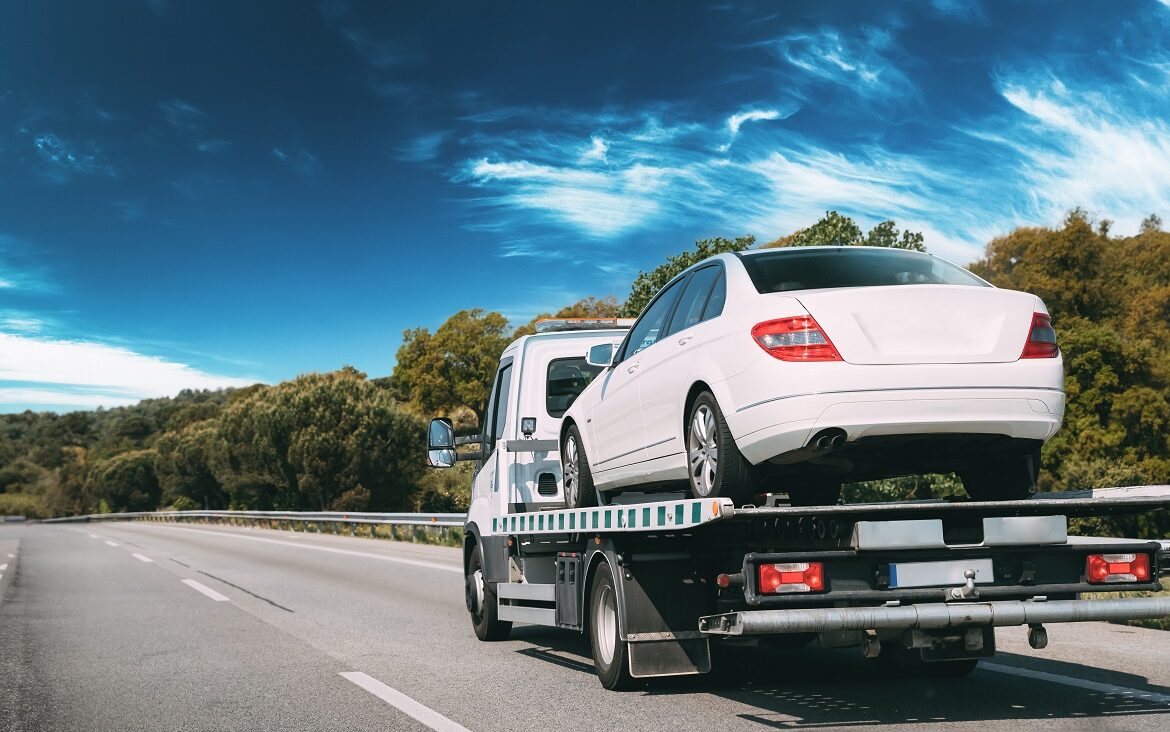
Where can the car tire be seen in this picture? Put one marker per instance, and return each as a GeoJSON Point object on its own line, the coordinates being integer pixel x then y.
{"type": "Point", "coordinates": [481, 602]}
{"type": "Point", "coordinates": [715, 466]}
{"type": "Point", "coordinates": [576, 476]}
{"type": "Point", "coordinates": [1010, 479]}
{"type": "Point", "coordinates": [611, 655]}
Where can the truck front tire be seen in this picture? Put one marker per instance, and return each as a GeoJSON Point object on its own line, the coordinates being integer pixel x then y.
{"type": "Point", "coordinates": [481, 602]}
{"type": "Point", "coordinates": [610, 652]}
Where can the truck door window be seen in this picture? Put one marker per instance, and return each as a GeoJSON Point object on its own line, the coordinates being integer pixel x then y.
{"type": "Point", "coordinates": [500, 406]}
{"type": "Point", "coordinates": [567, 378]}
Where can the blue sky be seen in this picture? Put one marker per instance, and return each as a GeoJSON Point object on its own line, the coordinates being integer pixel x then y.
{"type": "Point", "coordinates": [203, 194]}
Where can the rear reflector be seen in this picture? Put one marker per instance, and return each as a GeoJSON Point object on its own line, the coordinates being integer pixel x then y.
{"type": "Point", "coordinates": [795, 339]}
{"type": "Point", "coordinates": [776, 579]}
{"type": "Point", "coordinates": [1041, 338]}
{"type": "Point", "coordinates": [1101, 569]}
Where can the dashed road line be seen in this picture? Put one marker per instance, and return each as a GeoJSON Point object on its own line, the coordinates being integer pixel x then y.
{"type": "Point", "coordinates": [3, 566]}
{"type": "Point", "coordinates": [329, 549]}
{"type": "Point", "coordinates": [403, 703]}
{"type": "Point", "coordinates": [142, 558]}
{"type": "Point", "coordinates": [94, 536]}
{"type": "Point", "coordinates": [1151, 696]}
{"type": "Point", "coordinates": [112, 543]}
{"type": "Point", "coordinates": [200, 587]}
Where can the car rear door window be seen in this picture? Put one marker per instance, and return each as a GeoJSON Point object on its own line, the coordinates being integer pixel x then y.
{"type": "Point", "coordinates": [648, 329]}
{"type": "Point", "coordinates": [718, 296]}
{"type": "Point", "coordinates": [693, 300]}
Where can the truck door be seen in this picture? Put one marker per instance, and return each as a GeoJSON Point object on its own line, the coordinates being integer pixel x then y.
{"type": "Point", "coordinates": [492, 467]}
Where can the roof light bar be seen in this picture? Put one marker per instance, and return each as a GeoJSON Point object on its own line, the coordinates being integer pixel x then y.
{"type": "Point", "coordinates": [560, 325]}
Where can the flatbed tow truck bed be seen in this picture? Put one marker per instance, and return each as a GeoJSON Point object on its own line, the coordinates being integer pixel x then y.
{"type": "Point", "coordinates": [926, 577]}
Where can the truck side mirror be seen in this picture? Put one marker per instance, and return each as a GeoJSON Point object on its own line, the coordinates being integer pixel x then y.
{"type": "Point", "coordinates": [600, 355]}
{"type": "Point", "coordinates": [441, 443]}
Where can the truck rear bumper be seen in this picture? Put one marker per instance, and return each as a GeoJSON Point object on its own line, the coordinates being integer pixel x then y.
{"type": "Point", "coordinates": [932, 615]}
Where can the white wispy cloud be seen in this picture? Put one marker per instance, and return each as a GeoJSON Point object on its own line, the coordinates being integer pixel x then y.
{"type": "Point", "coordinates": [737, 120]}
{"type": "Point", "coordinates": [64, 158]}
{"type": "Point", "coordinates": [596, 151]}
{"type": "Point", "coordinates": [858, 61]}
{"type": "Point", "coordinates": [87, 374]}
{"type": "Point", "coordinates": [600, 203]}
{"type": "Point", "coordinates": [183, 116]}
{"type": "Point", "coordinates": [1104, 148]}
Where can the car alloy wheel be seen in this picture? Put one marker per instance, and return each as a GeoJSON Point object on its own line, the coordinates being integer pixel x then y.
{"type": "Point", "coordinates": [703, 450]}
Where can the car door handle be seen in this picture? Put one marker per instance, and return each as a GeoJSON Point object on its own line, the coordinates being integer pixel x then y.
{"type": "Point", "coordinates": [633, 368]}
{"type": "Point", "coordinates": [686, 340]}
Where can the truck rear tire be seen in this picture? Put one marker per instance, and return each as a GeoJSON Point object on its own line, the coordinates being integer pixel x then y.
{"type": "Point", "coordinates": [481, 602]}
{"type": "Point", "coordinates": [576, 475]}
{"type": "Point", "coordinates": [611, 655]}
{"type": "Point", "coordinates": [715, 466]}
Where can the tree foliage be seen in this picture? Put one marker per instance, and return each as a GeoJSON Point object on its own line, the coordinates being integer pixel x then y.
{"type": "Point", "coordinates": [453, 367]}
{"type": "Point", "coordinates": [835, 229]}
{"type": "Point", "coordinates": [647, 284]}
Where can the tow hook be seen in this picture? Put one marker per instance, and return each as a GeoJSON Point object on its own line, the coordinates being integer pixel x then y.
{"type": "Point", "coordinates": [967, 591]}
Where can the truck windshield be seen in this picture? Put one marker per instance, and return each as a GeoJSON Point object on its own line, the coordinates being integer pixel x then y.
{"type": "Point", "coordinates": [784, 270]}
{"type": "Point", "coordinates": [567, 378]}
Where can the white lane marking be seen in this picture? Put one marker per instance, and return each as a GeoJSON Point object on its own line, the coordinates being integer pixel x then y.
{"type": "Point", "coordinates": [403, 703]}
{"type": "Point", "coordinates": [1126, 691]}
{"type": "Point", "coordinates": [3, 567]}
{"type": "Point", "coordinates": [142, 558]}
{"type": "Point", "coordinates": [94, 536]}
{"type": "Point", "coordinates": [111, 543]}
{"type": "Point", "coordinates": [12, 556]}
{"type": "Point", "coordinates": [199, 587]}
{"type": "Point", "coordinates": [331, 550]}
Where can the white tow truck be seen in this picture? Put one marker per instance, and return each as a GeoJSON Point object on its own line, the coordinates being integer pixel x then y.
{"type": "Point", "coordinates": [657, 580]}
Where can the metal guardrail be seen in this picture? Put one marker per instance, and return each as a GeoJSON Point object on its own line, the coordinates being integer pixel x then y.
{"type": "Point", "coordinates": [350, 518]}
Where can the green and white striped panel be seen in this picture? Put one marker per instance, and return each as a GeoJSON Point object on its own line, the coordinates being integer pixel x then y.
{"type": "Point", "coordinates": [668, 515]}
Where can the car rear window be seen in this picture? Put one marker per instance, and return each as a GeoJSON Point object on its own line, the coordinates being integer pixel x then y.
{"type": "Point", "coordinates": [567, 378]}
{"type": "Point", "coordinates": [850, 266]}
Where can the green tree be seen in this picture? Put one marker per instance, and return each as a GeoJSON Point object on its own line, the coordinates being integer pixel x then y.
{"type": "Point", "coordinates": [453, 367]}
{"type": "Point", "coordinates": [126, 482]}
{"type": "Point", "coordinates": [589, 307]}
{"type": "Point", "coordinates": [647, 284]}
{"type": "Point", "coordinates": [185, 465]}
{"type": "Point", "coordinates": [835, 229]}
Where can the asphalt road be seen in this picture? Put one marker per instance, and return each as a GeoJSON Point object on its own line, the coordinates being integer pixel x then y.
{"type": "Point", "coordinates": [160, 627]}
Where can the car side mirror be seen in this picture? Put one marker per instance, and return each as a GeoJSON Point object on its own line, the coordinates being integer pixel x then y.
{"type": "Point", "coordinates": [600, 355]}
{"type": "Point", "coordinates": [441, 443]}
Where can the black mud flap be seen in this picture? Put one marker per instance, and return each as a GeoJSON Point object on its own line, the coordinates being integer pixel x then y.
{"type": "Point", "coordinates": [669, 657]}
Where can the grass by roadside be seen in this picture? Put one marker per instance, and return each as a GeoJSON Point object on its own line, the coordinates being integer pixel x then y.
{"type": "Point", "coordinates": [1157, 623]}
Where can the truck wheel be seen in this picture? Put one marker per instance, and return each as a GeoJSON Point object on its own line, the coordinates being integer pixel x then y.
{"type": "Point", "coordinates": [1005, 480]}
{"type": "Point", "coordinates": [610, 652]}
{"type": "Point", "coordinates": [716, 467]}
{"type": "Point", "coordinates": [576, 475]}
{"type": "Point", "coordinates": [815, 493]}
{"type": "Point", "coordinates": [481, 602]}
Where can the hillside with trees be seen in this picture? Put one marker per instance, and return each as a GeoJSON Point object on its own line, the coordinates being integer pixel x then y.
{"type": "Point", "coordinates": [345, 442]}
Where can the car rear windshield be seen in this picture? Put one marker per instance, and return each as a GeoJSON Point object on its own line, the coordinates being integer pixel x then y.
{"type": "Point", "coordinates": [813, 269]}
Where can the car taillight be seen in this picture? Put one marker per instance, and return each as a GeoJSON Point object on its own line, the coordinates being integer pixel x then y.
{"type": "Point", "coordinates": [1101, 569]}
{"type": "Point", "coordinates": [776, 579]}
{"type": "Point", "coordinates": [795, 339]}
{"type": "Point", "coordinates": [1041, 341]}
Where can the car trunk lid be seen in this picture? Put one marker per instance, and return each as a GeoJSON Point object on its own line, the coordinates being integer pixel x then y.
{"type": "Point", "coordinates": [923, 323]}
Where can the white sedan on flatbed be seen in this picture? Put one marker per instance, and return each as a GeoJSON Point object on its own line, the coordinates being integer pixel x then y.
{"type": "Point", "coordinates": [794, 370]}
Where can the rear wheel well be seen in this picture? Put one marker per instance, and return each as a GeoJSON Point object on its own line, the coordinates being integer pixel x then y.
{"type": "Point", "coordinates": [696, 389]}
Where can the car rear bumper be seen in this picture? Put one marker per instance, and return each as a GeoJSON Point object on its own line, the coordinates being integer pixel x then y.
{"type": "Point", "coordinates": [777, 426]}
